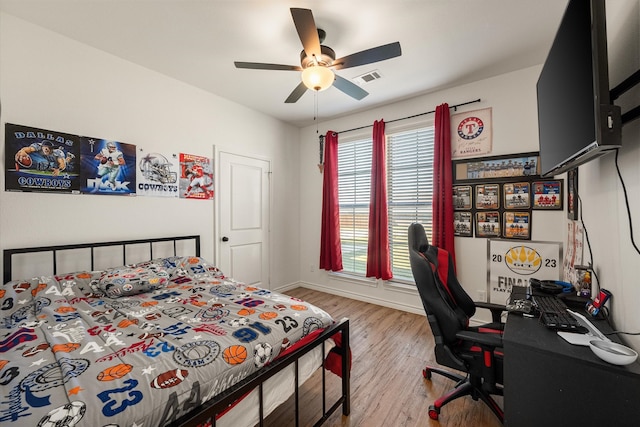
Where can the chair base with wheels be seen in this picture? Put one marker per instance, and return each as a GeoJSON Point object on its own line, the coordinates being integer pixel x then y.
{"type": "Point", "coordinates": [463, 387]}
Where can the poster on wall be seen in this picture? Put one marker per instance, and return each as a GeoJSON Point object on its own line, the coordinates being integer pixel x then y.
{"type": "Point", "coordinates": [488, 196]}
{"type": "Point", "coordinates": [497, 167]}
{"type": "Point", "coordinates": [462, 196]}
{"type": "Point", "coordinates": [488, 224]}
{"type": "Point", "coordinates": [157, 175]}
{"type": "Point", "coordinates": [547, 194]}
{"type": "Point", "coordinates": [463, 224]}
{"type": "Point", "coordinates": [516, 195]}
{"type": "Point", "coordinates": [572, 194]}
{"type": "Point", "coordinates": [574, 253]}
{"type": "Point", "coordinates": [107, 167]}
{"type": "Point", "coordinates": [471, 133]}
{"type": "Point", "coordinates": [513, 264]}
{"type": "Point", "coordinates": [517, 225]}
{"type": "Point", "coordinates": [41, 160]}
{"type": "Point", "coordinates": [196, 177]}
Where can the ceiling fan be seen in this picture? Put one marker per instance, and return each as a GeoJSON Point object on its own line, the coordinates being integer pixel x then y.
{"type": "Point", "coordinates": [317, 61]}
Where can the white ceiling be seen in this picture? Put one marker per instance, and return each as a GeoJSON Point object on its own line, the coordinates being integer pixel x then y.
{"type": "Point", "coordinates": [444, 43]}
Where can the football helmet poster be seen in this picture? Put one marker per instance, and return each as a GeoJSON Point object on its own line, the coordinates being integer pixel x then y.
{"type": "Point", "coordinates": [108, 167]}
{"type": "Point", "coordinates": [157, 174]}
{"type": "Point", "coordinates": [41, 160]}
{"type": "Point", "coordinates": [196, 177]}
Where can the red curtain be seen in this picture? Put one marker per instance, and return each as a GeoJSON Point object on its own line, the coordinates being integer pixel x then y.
{"type": "Point", "coordinates": [330, 247]}
{"type": "Point", "coordinates": [443, 184]}
{"type": "Point", "coordinates": [378, 261]}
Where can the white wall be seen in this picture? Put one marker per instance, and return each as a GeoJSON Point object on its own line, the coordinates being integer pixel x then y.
{"type": "Point", "coordinates": [513, 99]}
{"type": "Point", "coordinates": [603, 202]}
{"type": "Point", "coordinates": [51, 82]}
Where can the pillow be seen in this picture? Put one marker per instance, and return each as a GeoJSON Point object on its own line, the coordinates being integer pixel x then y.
{"type": "Point", "coordinates": [85, 281]}
{"type": "Point", "coordinates": [125, 281]}
{"type": "Point", "coordinates": [156, 264]}
{"type": "Point", "coordinates": [194, 266]}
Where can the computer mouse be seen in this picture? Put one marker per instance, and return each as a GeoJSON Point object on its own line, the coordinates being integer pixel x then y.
{"type": "Point", "coordinates": [612, 352]}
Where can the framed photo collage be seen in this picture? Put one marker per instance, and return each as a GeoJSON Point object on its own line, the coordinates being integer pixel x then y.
{"type": "Point", "coordinates": [494, 197]}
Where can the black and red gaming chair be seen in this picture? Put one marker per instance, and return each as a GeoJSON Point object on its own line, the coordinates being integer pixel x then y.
{"type": "Point", "coordinates": [474, 350]}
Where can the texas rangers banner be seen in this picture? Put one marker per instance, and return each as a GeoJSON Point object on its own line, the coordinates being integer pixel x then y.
{"type": "Point", "coordinates": [157, 174]}
{"type": "Point", "coordinates": [107, 167]}
{"type": "Point", "coordinates": [471, 133]}
{"type": "Point", "coordinates": [514, 263]}
{"type": "Point", "coordinates": [196, 177]}
{"type": "Point", "coordinates": [41, 160]}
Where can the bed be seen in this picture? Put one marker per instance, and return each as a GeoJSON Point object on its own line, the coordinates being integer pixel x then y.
{"type": "Point", "coordinates": [162, 337]}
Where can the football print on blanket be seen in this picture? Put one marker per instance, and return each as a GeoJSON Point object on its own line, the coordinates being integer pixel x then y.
{"type": "Point", "coordinates": [170, 378]}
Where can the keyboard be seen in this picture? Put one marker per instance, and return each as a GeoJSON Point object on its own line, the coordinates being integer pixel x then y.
{"type": "Point", "coordinates": [554, 314]}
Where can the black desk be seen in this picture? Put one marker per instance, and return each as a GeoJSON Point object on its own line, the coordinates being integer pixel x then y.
{"type": "Point", "coordinates": [549, 382]}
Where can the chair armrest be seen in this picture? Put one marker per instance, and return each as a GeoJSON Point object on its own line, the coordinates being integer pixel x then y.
{"type": "Point", "coordinates": [482, 339]}
{"type": "Point", "coordinates": [496, 310]}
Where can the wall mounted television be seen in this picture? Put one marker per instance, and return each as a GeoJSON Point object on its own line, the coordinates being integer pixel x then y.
{"type": "Point", "coordinates": [576, 120]}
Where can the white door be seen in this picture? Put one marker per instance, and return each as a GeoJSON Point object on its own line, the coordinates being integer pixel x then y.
{"type": "Point", "coordinates": [244, 218]}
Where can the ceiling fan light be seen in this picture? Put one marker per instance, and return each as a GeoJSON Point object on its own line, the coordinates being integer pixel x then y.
{"type": "Point", "coordinates": [317, 77]}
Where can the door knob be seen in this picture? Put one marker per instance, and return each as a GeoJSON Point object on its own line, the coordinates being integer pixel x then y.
{"type": "Point", "coordinates": [225, 239]}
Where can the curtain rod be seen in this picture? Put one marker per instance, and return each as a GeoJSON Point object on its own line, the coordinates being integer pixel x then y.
{"type": "Point", "coordinates": [455, 107]}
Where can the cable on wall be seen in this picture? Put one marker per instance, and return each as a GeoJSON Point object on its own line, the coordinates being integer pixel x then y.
{"type": "Point", "coordinates": [626, 201]}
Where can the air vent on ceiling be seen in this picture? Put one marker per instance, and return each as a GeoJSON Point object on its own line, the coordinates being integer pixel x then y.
{"type": "Point", "coordinates": [367, 77]}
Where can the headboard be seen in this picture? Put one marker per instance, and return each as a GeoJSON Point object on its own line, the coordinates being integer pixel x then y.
{"type": "Point", "coordinates": [57, 250]}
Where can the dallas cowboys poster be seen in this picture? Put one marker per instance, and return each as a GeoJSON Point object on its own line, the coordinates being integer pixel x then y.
{"type": "Point", "coordinates": [108, 167]}
{"type": "Point", "coordinates": [41, 160]}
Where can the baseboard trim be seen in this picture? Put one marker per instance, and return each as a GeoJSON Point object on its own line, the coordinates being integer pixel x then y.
{"type": "Point", "coordinates": [359, 297]}
{"type": "Point", "coordinates": [355, 296]}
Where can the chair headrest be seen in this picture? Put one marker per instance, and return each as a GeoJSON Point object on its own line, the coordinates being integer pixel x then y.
{"type": "Point", "coordinates": [418, 238]}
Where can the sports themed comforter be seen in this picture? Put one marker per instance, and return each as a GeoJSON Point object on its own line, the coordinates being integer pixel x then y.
{"type": "Point", "coordinates": [138, 345]}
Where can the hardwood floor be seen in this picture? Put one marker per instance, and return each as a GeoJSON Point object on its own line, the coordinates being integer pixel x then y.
{"type": "Point", "coordinates": [390, 348]}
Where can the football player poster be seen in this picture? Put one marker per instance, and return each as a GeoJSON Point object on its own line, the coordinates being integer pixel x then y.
{"type": "Point", "coordinates": [107, 167]}
{"type": "Point", "coordinates": [196, 177]}
{"type": "Point", "coordinates": [40, 160]}
{"type": "Point", "coordinates": [157, 175]}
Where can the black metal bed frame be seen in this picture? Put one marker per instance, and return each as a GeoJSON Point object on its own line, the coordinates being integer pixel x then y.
{"type": "Point", "coordinates": [220, 403]}
{"type": "Point", "coordinates": [7, 254]}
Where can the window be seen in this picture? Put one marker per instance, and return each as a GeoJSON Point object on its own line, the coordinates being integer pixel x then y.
{"type": "Point", "coordinates": [409, 193]}
{"type": "Point", "coordinates": [354, 185]}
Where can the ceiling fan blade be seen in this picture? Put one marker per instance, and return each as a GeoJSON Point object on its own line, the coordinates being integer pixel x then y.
{"type": "Point", "coordinates": [368, 56]}
{"type": "Point", "coordinates": [261, 66]}
{"type": "Point", "coordinates": [296, 94]}
{"type": "Point", "coordinates": [307, 31]}
{"type": "Point", "coordinates": [350, 88]}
